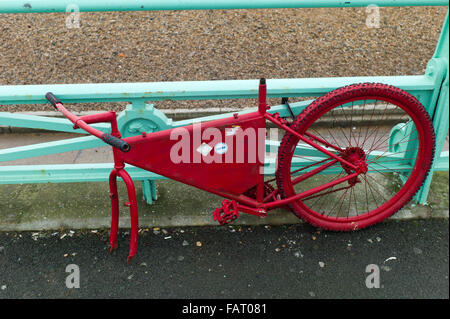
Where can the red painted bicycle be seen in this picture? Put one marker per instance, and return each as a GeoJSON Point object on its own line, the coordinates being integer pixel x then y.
{"type": "Point", "coordinates": [333, 170]}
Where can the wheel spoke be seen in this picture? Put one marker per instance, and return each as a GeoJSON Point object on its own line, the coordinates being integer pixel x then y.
{"type": "Point", "coordinates": [362, 121]}
{"type": "Point", "coordinates": [310, 165]}
{"type": "Point", "coordinates": [395, 143]}
{"type": "Point", "coordinates": [321, 140]}
{"type": "Point", "coordinates": [320, 196]}
{"type": "Point", "coordinates": [315, 171]}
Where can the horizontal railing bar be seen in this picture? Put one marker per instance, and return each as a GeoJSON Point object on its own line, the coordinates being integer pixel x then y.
{"type": "Point", "coordinates": [95, 172]}
{"type": "Point", "coordinates": [67, 173]}
{"type": "Point", "coordinates": [197, 90]}
{"type": "Point", "coordinates": [307, 151]}
{"type": "Point", "coordinates": [29, 6]}
{"type": "Point", "coordinates": [270, 167]}
{"type": "Point", "coordinates": [296, 107]}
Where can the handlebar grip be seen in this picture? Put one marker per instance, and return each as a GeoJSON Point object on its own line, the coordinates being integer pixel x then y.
{"type": "Point", "coordinates": [116, 142]}
{"type": "Point", "coordinates": [52, 99]}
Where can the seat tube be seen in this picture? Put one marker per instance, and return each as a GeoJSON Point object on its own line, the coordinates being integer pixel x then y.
{"type": "Point", "coordinates": [262, 96]}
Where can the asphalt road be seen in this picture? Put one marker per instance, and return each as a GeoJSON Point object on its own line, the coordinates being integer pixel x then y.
{"type": "Point", "coordinates": [286, 262]}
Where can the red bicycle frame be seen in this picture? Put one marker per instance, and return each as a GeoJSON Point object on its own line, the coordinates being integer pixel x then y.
{"type": "Point", "coordinates": [210, 156]}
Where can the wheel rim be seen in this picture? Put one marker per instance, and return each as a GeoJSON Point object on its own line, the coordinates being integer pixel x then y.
{"type": "Point", "coordinates": [386, 155]}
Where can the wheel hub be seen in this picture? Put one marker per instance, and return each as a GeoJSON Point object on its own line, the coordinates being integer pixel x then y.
{"type": "Point", "coordinates": [357, 157]}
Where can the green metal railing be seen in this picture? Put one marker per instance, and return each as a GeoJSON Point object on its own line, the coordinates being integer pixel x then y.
{"type": "Point", "coordinates": [431, 89]}
{"type": "Point", "coordinates": [13, 6]}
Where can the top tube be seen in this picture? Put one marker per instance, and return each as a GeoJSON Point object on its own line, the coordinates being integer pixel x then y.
{"type": "Point", "coordinates": [35, 6]}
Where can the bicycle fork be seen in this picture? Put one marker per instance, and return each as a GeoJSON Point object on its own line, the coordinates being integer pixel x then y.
{"type": "Point", "coordinates": [132, 204]}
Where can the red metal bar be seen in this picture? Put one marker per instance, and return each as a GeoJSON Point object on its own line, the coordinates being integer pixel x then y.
{"type": "Point", "coordinates": [302, 138]}
{"type": "Point", "coordinates": [307, 193]}
{"type": "Point", "coordinates": [113, 194]}
{"type": "Point", "coordinates": [98, 117]}
{"type": "Point", "coordinates": [78, 122]}
{"type": "Point", "coordinates": [262, 97]}
{"type": "Point", "coordinates": [108, 117]}
{"type": "Point", "coordinates": [323, 141]}
{"type": "Point", "coordinates": [329, 192]}
{"type": "Point", "coordinates": [315, 171]}
{"type": "Point", "coordinates": [133, 212]}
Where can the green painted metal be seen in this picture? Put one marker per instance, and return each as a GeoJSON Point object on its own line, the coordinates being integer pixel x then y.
{"type": "Point", "coordinates": [439, 66]}
{"type": "Point", "coordinates": [67, 173]}
{"type": "Point", "coordinates": [431, 89]}
{"type": "Point", "coordinates": [441, 163]}
{"type": "Point", "coordinates": [15, 153]}
{"type": "Point", "coordinates": [199, 90]}
{"type": "Point", "coordinates": [43, 122]}
{"type": "Point", "coordinates": [35, 6]}
{"type": "Point", "coordinates": [149, 191]}
{"type": "Point", "coordinates": [140, 117]}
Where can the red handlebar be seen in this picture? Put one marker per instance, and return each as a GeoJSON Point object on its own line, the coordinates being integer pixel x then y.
{"type": "Point", "coordinates": [82, 122]}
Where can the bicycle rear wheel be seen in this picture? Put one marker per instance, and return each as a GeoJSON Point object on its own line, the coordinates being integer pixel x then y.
{"type": "Point", "coordinates": [379, 128]}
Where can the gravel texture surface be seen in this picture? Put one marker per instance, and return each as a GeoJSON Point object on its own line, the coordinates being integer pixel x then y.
{"type": "Point", "coordinates": [212, 45]}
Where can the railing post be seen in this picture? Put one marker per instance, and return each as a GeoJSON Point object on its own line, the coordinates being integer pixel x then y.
{"type": "Point", "coordinates": [440, 111]}
{"type": "Point", "coordinates": [138, 118]}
